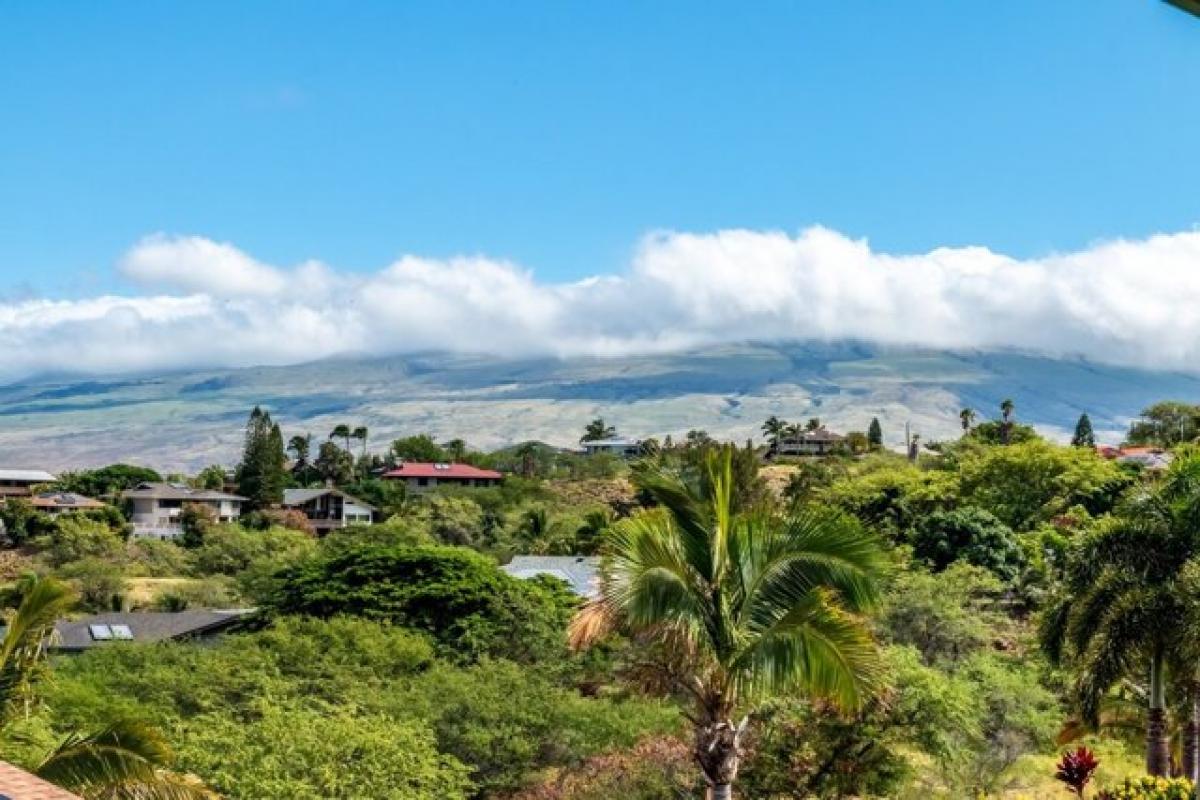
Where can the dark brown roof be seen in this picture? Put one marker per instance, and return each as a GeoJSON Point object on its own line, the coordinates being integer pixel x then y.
{"type": "Point", "coordinates": [17, 784]}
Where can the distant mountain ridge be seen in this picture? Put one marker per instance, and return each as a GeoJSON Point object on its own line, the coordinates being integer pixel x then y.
{"type": "Point", "coordinates": [187, 419]}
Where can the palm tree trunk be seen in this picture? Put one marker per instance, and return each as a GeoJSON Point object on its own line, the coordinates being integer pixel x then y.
{"type": "Point", "coordinates": [718, 753]}
{"type": "Point", "coordinates": [1158, 753]}
{"type": "Point", "coordinates": [1191, 737]}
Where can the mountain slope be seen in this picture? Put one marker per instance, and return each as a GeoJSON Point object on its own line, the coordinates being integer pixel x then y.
{"type": "Point", "coordinates": [188, 419]}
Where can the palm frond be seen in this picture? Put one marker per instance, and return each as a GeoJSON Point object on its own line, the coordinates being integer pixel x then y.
{"type": "Point", "coordinates": [22, 648]}
{"type": "Point", "coordinates": [125, 761]}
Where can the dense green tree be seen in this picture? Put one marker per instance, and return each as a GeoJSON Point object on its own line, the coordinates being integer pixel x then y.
{"type": "Point", "coordinates": [334, 465]}
{"type": "Point", "coordinates": [967, 534]}
{"type": "Point", "coordinates": [1030, 483]}
{"type": "Point", "coordinates": [1084, 435]}
{"type": "Point", "coordinates": [1166, 424]}
{"type": "Point", "coordinates": [420, 448]}
{"type": "Point", "coordinates": [460, 598]}
{"type": "Point", "coordinates": [105, 481]}
{"type": "Point", "coordinates": [752, 606]}
{"type": "Point", "coordinates": [596, 430]}
{"type": "Point", "coordinates": [260, 475]}
{"type": "Point", "coordinates": [875, 434]}
{"type": "Point", "coordinates": [211, 477]}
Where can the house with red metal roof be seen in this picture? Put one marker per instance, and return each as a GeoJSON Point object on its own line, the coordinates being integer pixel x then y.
{"type": "Point", "coordinates": [423, 477]}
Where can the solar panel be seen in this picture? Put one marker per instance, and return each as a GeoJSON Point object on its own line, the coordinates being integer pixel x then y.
{"type": "Point", "coordinates": [101, 633]}
{"type": "Point", "coordinates": [122, 632]}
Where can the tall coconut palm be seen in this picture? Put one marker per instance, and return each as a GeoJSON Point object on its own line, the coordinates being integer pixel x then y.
{"type": "Point", "coordinates": [966, 418]}
{"type": "Point", "coordinates": [1007, 407]}
{"type": "Point", "coordinates": [124, 760]}
{"type": "Point", "coordinates": [342, 432]}
{"type": "Point", "coordinates": [749, 605]}
{"type": "Point", "coordinates": [360, 433]}
{"type": "Point", "coordinates": [1129, 607]}
{"type": "Point", "coordinates": [774, 429]}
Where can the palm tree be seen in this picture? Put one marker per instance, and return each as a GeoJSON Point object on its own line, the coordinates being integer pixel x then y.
{"type": "Point", "coordinates": [527, 452]}
{"type": "Point", "coordinates": [749, 606]}
{"type": "Point", "coordinates": [456, 449]}
{"type": "Point", "coordinates": [360, 433]}
{"type": "Point", "coordinates": [301, 448]}
{"type": "Point", "coordinates": [773, 429]}
{"type": "Point", "coordinates": [967, 418]}
{"type": "Point", "coordinates": [1007, 407]}
{"type": "Point", "coordinates": [342, 432]}
{"type": "Point", "coordinates": [1129, 605]}
{"type": "Point", "coordinates": [124, 760]}
{"type": "Point", "coordinates": [813, 424]}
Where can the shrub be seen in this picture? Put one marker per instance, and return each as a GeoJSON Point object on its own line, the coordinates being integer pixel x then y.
{"type": "Point", "coordinates": [459, 597]}
{"type": "Point", "coordinates": [967, 534]}
{"type": "Point", "coordinates": [1148, 788]}
{"type": "Point", "coordinates": [75, 538]}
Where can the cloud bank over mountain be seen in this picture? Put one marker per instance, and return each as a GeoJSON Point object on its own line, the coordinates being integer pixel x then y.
{"type": "Point", "coordinates": [206, 303]}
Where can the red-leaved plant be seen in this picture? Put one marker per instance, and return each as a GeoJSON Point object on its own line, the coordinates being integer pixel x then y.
{"type": "Point", "coordinates": [1075, 769]}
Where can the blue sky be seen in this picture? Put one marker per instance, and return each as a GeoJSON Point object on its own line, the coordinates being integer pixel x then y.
{"type": "Point", "coordinates": [557, 134]}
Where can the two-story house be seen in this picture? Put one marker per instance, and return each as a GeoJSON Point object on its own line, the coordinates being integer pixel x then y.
{"type": "Point", "coordinates": [328, 508]}
{"type": "Point", "coordinates": [155, 507]}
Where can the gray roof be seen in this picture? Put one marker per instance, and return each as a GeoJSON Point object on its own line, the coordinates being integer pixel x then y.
{"type": "Point", "coordinates": [31, 475]}
{"type": "Point", "coordinates": [581, 573]}
{"type": "Point", "coordinates": [298, 497]}
{"type": "Point", "coordinates": [178, 491]}
{"type": "Point", "coordinates": [613, 443]}
{"type": "Point", "coordinates": [145, 626]}
{"type": "Point", "coordinates": [818, 435]}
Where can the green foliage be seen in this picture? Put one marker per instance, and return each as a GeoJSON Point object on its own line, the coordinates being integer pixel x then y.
{"type": "Point", "coordinates": [308, 752]}
{"type": "Point", "coordinates": [1166, 424]}
{"type": "Point", "coordinates": [261, 475]}
{"type": "Point", "coordinates": [1149, 789]}
{"type": "Point", "coordinates": [1084, 435]}
{"type": "Point", "coordinates": [462, 599]}
{"type": "Point", "coordinates": [110, 480]}
{"type": "Point", "coordinates": [75, 537]}
{"type": "Point", "coordinates": [893, 497]}
{"type": "Point", "coordinates": [333, 463]}
{"type": "Point", "coordinates": [211, 477]}
{"type": "Point", "coordinates": [967, 534]}
{"type": "Point", "coordinates": [946, 616]}
{"type": "Point", "coordinates": [994, 433]}
{"type": "Point", "coordinates": [1030, 483]}
{"type": "Point", "coordinates": [597, 430]}
{"type": "Point", "coordinates": [100, 584]}
{"type": "Point", "coordinates": [231, 549]}
{"type": "Point", "coordinates": [875, 434]}
{"type": "Point", "coordinates": [155, 558]}
{"type": "Point", "coordinates": [418, 448]}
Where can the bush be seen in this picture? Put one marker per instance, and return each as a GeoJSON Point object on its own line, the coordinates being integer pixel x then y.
{"type": "Point", "coordinates": [967, 534]}
{"type": "Point", "coordinates": [1148, 788]}
{"type": "Point", "coordinates": [459, 597]}
{"type": "Point", "coordinates": [155, 558]}
{"type": "Point", "coordinates": [74, 538]}
{"type": "Point", "coordinates": [311, 752]}
{"type": "Point", "coordinates": [100, 584]}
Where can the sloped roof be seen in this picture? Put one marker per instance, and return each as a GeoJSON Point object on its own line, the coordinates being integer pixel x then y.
{"type": "Point", "coordinates": [581, 573]}
{"type": "Point", "coordinates": [612, 443]}
{"type": "Point", "coordinates": [30, 475]}
{"type": "Point", "coordinates": [17, 784]}
{"type": "Point", "coordinates": [178, 491]}
{"type": "Point", "coordinates": [417, 469]}
{"type": "Point", "coordinates": [818, 435]}
{"type": "Point", "coordinates": [66, 500]}
{"type": "Point", "coordinates": [145, 626]}
{"type": "Point", "coordinates": [298, 497]}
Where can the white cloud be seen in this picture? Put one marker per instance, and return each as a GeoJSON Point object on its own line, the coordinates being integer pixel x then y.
{"type": "Point", "coordinates": [211, 304]}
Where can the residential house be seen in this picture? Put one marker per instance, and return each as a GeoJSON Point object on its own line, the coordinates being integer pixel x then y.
{"type": "Point", "coordinates": [20, 482]}
{"type": "Point", "coordinates": [17, 784]}
{"type": "Point", "coordinates": [422, 477]}
{"type": "Point", "coordinates": [1155, 459]}
{"type": "Point", "coordinates": [580, 573]}
{"type": "Point", "coordinates": [622, 448]}
{"type": "Point", "coordinates": [55, 503]}
{"type": "Point", "coordinates": [817, 442]}
{"type": "Point", "coordinates": [98, 630]}
{"type": "Point", "coordinates": [155, 507]}
{"type": "Point", "coordinates": [328, 508]}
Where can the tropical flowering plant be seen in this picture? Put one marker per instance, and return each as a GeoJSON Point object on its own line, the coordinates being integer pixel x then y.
{"type": "Point", "coordinates": [1075, 769]}
{"type": "Point", "coordinates": [1150, 789]}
